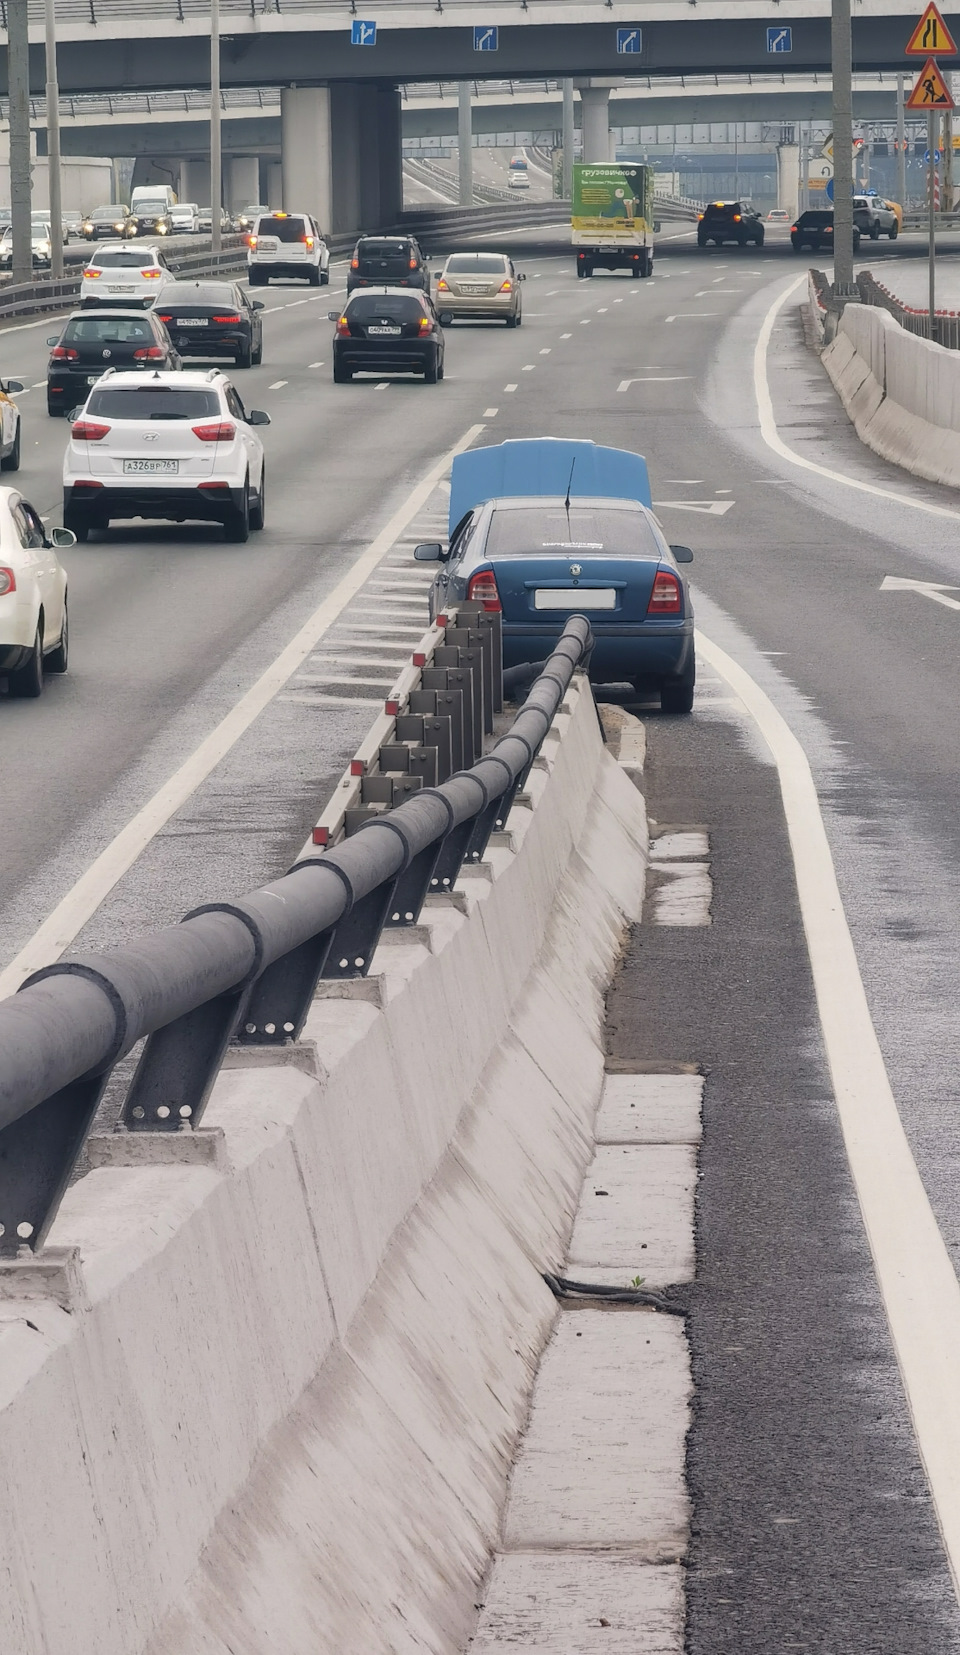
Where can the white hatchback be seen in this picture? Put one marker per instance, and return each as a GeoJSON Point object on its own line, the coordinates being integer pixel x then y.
{"type": "Point", "coordinates": [33, 596]}
{"type": "Point", "coordinates": [124, 272]}
{"type": "Point", "coordinates": [178, 446]}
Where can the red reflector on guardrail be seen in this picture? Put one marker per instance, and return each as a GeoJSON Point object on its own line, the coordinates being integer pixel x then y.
{"type": "Point", "coordinates": [419, 659]}
{"type": "Point", "coordinates": [321, 836]}
{"type": "Point", "coordinates": [391, 708]}
{"type": "Point", "coordinates": [357, 767]}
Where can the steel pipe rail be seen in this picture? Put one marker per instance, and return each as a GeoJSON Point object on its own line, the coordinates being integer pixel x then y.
{"type": "Point", "coordinates": [244, 970]}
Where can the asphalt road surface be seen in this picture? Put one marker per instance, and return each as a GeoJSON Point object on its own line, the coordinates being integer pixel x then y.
{"type": "Point", "coordinates": [814, 1529]}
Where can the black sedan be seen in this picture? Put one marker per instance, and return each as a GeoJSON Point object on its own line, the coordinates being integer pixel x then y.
{"type": "Point", "coordinates": [383, 330]}
{"type": "Point", "coordinates": [814, 229]}
{"type": "Point", "coordinates": [93, 341]}
{"type": "Point", "coordinates": [213, 319]}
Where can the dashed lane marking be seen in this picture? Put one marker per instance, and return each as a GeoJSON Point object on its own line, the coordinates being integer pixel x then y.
{"type": "Point", "coordinates": [710, 508]}
{"type": "Point", "coordinates": [690, 315]}
{"type": "Point", "coordinates": [384, 385]}
{"type": "Point", "coordinates": [528, 367]}
{"type": "Point", "coordinates": [509, 387]}
{"type": "Point", "coordinates": [315, 364]}
{"type": "Point", "coordinates": [490, 413]}
{"type": "Point", "coordinates": [652, 379]}
{"type": "Point", "coordinates": [546, 350]}
{"type": "Point", "coordinates": [278, 385]}
{"type": "Point", "coordinates": [566, 335]}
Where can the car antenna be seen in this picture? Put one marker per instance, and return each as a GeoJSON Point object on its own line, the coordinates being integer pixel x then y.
{"type": "Point", "coordinates": [566, 503]}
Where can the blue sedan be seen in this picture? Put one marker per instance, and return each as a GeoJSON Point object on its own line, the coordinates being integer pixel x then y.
{"type": "Point", "coordinates": [544, 528]}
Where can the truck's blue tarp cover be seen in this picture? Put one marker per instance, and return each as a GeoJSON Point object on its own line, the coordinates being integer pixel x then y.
{"type": "Point", "coordinates": [541, 465]}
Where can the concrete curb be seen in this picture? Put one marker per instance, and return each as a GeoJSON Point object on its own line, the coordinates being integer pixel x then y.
{"type": "Point", "coordinates": [285, 1421]}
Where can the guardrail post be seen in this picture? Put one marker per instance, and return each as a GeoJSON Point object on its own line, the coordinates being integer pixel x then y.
{"type": "Point", "coordinates": [178, 1066]}
{"type": "Point", "coordinates": [38, 1153]}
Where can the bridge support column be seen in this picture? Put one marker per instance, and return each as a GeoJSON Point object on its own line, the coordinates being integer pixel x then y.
{"type": "Point", "coordinates": [465, 142]}
{"type": "Point", "coordinates": [389, 155]}
{"type": "Point", "coordinates": [595, 121]}
{"type": "Point", "coordinates": [271, 183]}
{"type": "Point", "coordinates": [788, 178]}
{"type": "Point", "coordinates": [195, 182]}
{"type": "Point", "coordinates": [306, 151]}
{"type": "Point", "coordinates": [243, 181]}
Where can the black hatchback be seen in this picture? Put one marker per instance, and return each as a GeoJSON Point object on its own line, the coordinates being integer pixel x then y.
{"type": "Point", "coordinates": [734, 221]}
{"type": "Point", "coordinates": [93, 341]}
{"type": "Point", "coordinates": [814, 229]}
{"type": "Point", "coordinates": [387, 332]}
{"type": "Point", "coordinates": [212, 319]}
{"type": "Point", "coordinates": [388, 261]}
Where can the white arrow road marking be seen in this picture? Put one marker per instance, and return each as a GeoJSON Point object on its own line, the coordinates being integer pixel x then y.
{"type": "Point", "coordinates": [690, 315]}
{"type": "Point", "coordinates": [713, 508]}
{"type": "Point", "coordinates": [708, 293]}
{"type": "Point", "coordinates": [926, 588]}
{"type": "Point", "coordinates": [652, 379]}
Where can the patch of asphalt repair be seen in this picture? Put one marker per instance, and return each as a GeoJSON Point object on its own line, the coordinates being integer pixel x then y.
{"type": "Point", "coordinates": [813, 1528]}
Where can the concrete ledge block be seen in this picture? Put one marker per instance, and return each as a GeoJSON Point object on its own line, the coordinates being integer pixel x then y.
{"type": "Point", "coordinates": [581, 1603]}
{"type": "Point", "coordinates": [204, 1146]}
{"type": "Point", "coordinates": [652, 1109]}
{"type": "Point", "coordinates": [637, 1211]}
{"type": "Point", "coordinates": [55, 1273]}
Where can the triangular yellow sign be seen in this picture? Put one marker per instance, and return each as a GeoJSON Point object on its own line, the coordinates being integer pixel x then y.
{"type": "Point", "coordinates": [931, 90]}
{"type": "Point", "coordinates": [931, 37]}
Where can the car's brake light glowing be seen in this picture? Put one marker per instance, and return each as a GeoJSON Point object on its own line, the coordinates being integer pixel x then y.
{"type": "Point", "coordinates": [507, 286]}
{"type": "Point", "coordinates": [152, 273]}
{"type": "Point", "coordinates": [151, 353]}
{"type": "Point", "coordinates": [666, 597]}
{"type": "Point", "coordinates": [793, 229]}
{"type": "Point", "coordinates": [164, 318]}
{"type": "Point", "coordinates": [426, 326]}
{"type": "Point", "coordinates": [442, 286]}
{"type": "Point", "coordinates": [343, 328]}
{"type": "Point", "coordinates": [223, 431]}
{"type": "Point", "coordinates": [354, 263]}
{"type": "Point", "coordinates": [736, 218]}
{"type": "Point", "coordinates": [828, 229]}
{"type": "Point", "coordinates": [86, 430]}
{"type": "Point", "coordinates": [8, 582]}
{"type": "Point", "coordinates": [482, 588]}
{"type": "Point", "coordinates": [308, 242]}
{"type": "Point", "coordinates": [251, 241]}
{"type": "Point", "coordinates": [226, 318]}
{"type": "Point", "coordinates": [63, 353]}
{"type": "Point", "coordinates": [413, 264]}
{"type": "Point", "coordinates": [91, 275]}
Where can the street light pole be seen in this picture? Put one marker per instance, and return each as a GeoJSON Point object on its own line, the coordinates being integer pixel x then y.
{"type": "Point", "coordinates": [18, 59]}
{"type": "Point", "coordinates": [842, 63]}
{"type": "Point", "coordinates": [216, 165]}
{"type": "Point", "coordinates": [901, 147]}
{"type": "Point", "coordinates": [53, 143]}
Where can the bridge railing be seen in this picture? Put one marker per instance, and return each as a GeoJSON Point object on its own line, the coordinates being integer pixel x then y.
{"type": "Point", "coordinates": [248, 970]}
{"type": "Point", "coordinates": [914, 319]}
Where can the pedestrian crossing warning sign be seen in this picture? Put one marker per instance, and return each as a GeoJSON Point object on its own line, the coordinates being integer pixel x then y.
{"type": "Point", "coordinates": [931, 37]}
{"type": "Point", "coordinates": [931, 90]}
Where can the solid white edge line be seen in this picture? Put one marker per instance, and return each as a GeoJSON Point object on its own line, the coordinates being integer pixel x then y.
{"type": "Point", "coordinates": [84, 898]}
{"type": "Point", "coordinates": [773, 439]}
{"type": "Point", "coordinates": [917, 1280]}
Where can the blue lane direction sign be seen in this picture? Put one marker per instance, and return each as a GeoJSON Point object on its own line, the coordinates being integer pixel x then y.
{"type": "Point", "coordinates": [937, 156]}
{"type": "Point", "coordinates": [485, 40]}
{"type": "Point", "coordinates": [363, 33]}
{"type": "Point", "coordinates": [629, 41]}
{"type": "Point", "coordinates": [780, 40]}
{"type": "Point", "coordinates": [829, 189]}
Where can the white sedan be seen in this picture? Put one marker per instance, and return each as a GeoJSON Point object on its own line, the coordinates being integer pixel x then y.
{"type": "Point", "coordinates": [124, 273]}
{"type": "Point", "coordinates": [33, 596]}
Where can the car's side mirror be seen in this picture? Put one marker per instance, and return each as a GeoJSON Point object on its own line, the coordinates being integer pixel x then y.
{"type": "Point", "coordinates": [257, 416]}
{"type": "Point", "coordinates": [54, 339]}
{"type": "Point", "coordinates": [62, 537]}
{"type": "Point", "coordinates": [430, 552]}
{"type": "Point", "coordinates": [333, 315]}
{"type": "Point", "coordinates": [656, 226]}
{"type": "Point", "coordinates": [682, 554]}
{"type": "Point", "coordinates": [521, 277]}
{"type": "Point", "coordinates": [258, 304]}
{"type": "Point", "coordinates": [75, 413]}
{"type": "Point", "coordinates": [13, 385]}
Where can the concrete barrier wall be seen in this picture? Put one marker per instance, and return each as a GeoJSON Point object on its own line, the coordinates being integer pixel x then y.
{"type": "Point", "coordinates": [901, 392]}
{"type": "Point", "coordinates": [282, 1421]}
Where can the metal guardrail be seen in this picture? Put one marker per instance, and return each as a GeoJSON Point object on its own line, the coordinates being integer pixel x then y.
{"type": "Point", "coordinates": [248, 970]}
{"type": "Point", "coordinates": [946, 323]}
{"type": "Point", "coordinates": [33, 298]}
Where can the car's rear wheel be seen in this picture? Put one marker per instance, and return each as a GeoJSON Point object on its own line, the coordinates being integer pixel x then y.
{"type": "Point", "coordinates": [236, 527]}
{"type": "Point", "coordinates": [27, 681]}
{"type": "Point", "coordinates": [258, 509]}
{"type": "Point", "coordinates": [875, 232]}
{"type": "Point", "coordinates": [257, 356]}
{"type": "Point", "coordinates": [78, 523]}
{"type": "Point", "coordinates": [431, 372]}
{"type": "Point", "coordinates": [11, 461]}
{"type": "Point", "coordinates": [677, 695]}
{"type": "Point", "coordinates": [314, 278]}
{"type": "Point", "coordinates": [244, 358]}
{"type": "Point", "coordinates": [893, 231]}
{"type": "Point", "coordinates": [511, 321]}
{"type": "Point", "coordinates": [325, 277]}
{"type": "Point", "coordinates": [341, 376]}
{"type": "Point", "coordinates": [256, 278]}
{"type": "Point", "coordinates": [57, 662]}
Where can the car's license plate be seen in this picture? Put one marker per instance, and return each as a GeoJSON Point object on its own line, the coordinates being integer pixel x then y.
{"type": "Point", "coordinates": [383, 330]}
{"type": "Point", "coordinates": [267, 244]}
{"type": "Point", "coordinates": [120, 289]}
{"type": "Point", "coordinates": [92, 379]}
{"type": "Point", "coordinates": [465, 287]}
{"type": "Point", "coordinates": [193, 322]}
{"type": "Point", "coordinates": [153, 468]}
{"type": "Point", "coordinates": [576, 597]}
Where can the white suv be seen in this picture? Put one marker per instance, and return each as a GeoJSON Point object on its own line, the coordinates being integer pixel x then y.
{"type": "Point", "coordinates": [124, 272]}
{"type": "Point", "coordinates": [287, 244]}
{"type": "Point", "coordinates": [173, 445]}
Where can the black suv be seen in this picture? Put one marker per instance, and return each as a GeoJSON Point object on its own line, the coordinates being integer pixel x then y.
{"type": "Point", "coordinates": [94, 340]}
{"type": "Point", "coordinates": [388, 261]}
{"type": "Point", "coordinates": [814, 229]}
{"type": "Point", "coordinates": [729, 221]}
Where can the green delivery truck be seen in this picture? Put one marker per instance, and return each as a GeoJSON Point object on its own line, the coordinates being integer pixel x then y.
{"type": "Point", "coordinates": [612, 217]}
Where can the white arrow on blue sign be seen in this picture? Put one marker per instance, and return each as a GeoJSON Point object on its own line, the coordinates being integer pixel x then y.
{"type": "Point", "coordinates": [629, 41]}
{"type": "Point", "coordinates": [485, 40]}
{"type": "Point", "coordinates": [779, 40]}
{"type": "Point", "coordinates": [363, 34]}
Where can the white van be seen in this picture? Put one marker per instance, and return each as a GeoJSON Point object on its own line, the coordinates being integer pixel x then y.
{"type": "Point", "coordinates": [153, 193]}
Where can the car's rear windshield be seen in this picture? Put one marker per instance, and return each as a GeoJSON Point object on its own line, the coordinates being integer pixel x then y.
{"type": "Point", "coordinates": [122, 258]}
{"type": "Point", "coordinates": [819, 216]}
{"type": "Point", "coordinates": [146, 402]}
{"type": "Point", "coordinates": [397, 254]}
{"type": "Point", "coordinates": [547, 531]}
{"type": "Point", "coordinates": [400, 307]}
{"type": "Point", "coordinates": [284, 229]}
{"type": "Point", "coordinates": [106, 330]}
{"type": "Point", "coordinates": [722, 209]}
{"type": "Point", "coordinates": [481, 264]}
{"type": "Point", "coordinates": [195, 293]}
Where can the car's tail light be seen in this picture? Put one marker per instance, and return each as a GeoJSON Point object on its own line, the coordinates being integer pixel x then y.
{"type": "Point", "coordinates": [92, 274]}
{"type": "Point", "coordinates": [666, 597]}
{"type": "Point", "coordinates": [150, 353]}
{"type": "Point", "coordinates": [88, 430]}
{"type": "Point", "coordinates": [223, 431]}
{"type": "Point", "coordinates": [165, 318]}
{"type": "Point", "coordinates": [8, 582]}
{"type": "Point", "coordinates": [63, 353]}
{"type": "Point", "coordinates": [828, 229]}
{"type": "Point", "coordinates": [413, 264]}
{"type": "Point", "coordinates": [226, 318]}
{"type": "Point", "coordinates": [736, 218]}
{"type": "Point", "coordinates": [482, 588]}
{"type": "Point", "coordinates": [152, 273]}
{"type": "Point", "coordinates": [251, 241]}
{"type": "Point", "coordinates": [343, 328]}
{"type": "Point", "coordinates": [793, 229]}
{"type": "Point", "coordinates": [506, 287]}
{"type": "Point", "coordinates": [699, 217]}
{"type": "Point", "coordinates": [354, 263]}
{"type": "Point", "coordinates": [426, 326]}
{"type": "Point", "coordinates": [308, 241]}
{"type": "Point", "coordinates": [442, 286]}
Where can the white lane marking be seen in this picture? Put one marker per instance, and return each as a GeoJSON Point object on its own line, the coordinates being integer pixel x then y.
{"type": "Point", "coordinates": [509, 387]}
{"type": "Point", "coordinates": [711, 508]}
{"type": "Point", "coordinates": [690, 315]}
{"type": "Point", "coordinates": [708, 293]}
{"type": "Point", "coordinates": [528, 367]}
{"type": "Point", "coordinates": [773, 439]}
{"type": "Point", "coordinates": [566, 335]}
{"type": "Point", "coordinates": [72, 912]}
{"type": "Point", "coordinates": [315, 364]}
{"type": "Point", "coordinates": [384, 385]}
{"type": "Point", "coordinates": [545, 350]}
{"type": "Point", "coordinates": [278, 385]}
{"type": "Point", "coordinates": [39, 385]}
{"type": "Point", "coordinates": [918, 1283]}
{"type": "Point", "coordinates": [553, 291]}
{"type": "Point", "coordinates": [295, 302]}
{"type": "Point", "coordinates": [934, 590]}
{"type": "Point", "coordinates": [652, 379]}
{"type": "Point", "coordinates": [585, 321]}
{"type": "Point", "coordinates": [687, 481]}
{"type": "Point", "coordinates": [602, 311]}
{"type": "Point", "coordinates": [490, 413]}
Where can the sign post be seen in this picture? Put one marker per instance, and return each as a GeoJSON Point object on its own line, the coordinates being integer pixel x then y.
{"type": "Point", "coordinates": [931, 38]}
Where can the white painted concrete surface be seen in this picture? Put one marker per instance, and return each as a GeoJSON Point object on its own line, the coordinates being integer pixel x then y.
{"type": "Point", "coordinates": [581, 1605]}
{"type": "Point", "coordinates": [284, 1423]}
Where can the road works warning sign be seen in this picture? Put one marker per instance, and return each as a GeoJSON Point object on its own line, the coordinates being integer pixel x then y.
{"type": "Point", "coordinates": [931, 90]}
{"type": "Point", "coordinates": [931, 37]}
